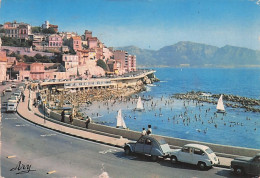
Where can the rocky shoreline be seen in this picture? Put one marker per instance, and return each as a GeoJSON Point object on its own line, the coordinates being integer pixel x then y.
{"type": "Point", "coordinates": [233, 101]}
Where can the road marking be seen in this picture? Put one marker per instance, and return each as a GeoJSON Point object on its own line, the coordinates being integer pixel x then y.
{"type": "Point", "coordinates": [12, 118]}
{"type": "Point", "coordinates": [18, 125]}
{"type": "Point", "coordinates": [47, 135]}
{"type": "Point", "coordinates": [13, 156]}
{"type": "Point", "coordinates": [107, 151]}
{"type": "Point", "coordinates": [51, 172]}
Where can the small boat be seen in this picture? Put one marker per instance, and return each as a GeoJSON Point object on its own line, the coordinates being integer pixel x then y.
{"type": "Point", "coordinates": [220, 105]}
{"type": "Point", "coordinates": [139, 105]}
{"type": "Point", "coordinates": [120, 120]}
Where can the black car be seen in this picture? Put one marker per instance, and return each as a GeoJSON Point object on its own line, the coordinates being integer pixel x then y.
{"type": "Point", "coordinates": [246, 165]}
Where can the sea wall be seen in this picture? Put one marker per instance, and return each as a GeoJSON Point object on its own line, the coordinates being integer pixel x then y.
{"type": "Point", "coordinates": [221, 150]}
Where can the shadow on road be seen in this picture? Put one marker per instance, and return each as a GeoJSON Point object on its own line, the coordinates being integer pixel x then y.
{"type": "Point", "coordinates": [161, 161]}
{"type": "Point", "coordinates": [166, 162]}
{"type": "Point", "coordinates": [229, 174]}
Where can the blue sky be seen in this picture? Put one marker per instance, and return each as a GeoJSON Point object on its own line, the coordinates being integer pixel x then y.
{"type": "Point", "coordinates": [149, 24]}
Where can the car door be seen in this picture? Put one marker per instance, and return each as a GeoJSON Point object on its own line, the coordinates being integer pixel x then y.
{"type": "Point", "coordinates": [139, 146]}
{"type": "Point", "coordinates": [185, 155]}
{"type": "Point", "coordinates": [148, 146]}
{"type": "Point", "coordinates": [198, 155]}
{"type": "Point", "coordinates": [255, 166]}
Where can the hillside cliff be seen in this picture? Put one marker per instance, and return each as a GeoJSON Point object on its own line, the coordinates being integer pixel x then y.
{"type": "Point", "coordinates": [192, 54]}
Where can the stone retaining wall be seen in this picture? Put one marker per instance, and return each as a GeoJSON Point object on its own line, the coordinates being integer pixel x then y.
{"type": "Point", "coordinates": [221, 150]}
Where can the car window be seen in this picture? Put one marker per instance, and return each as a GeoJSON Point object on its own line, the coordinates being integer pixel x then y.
{"type": "Point", "coordinates": [198, 151]}
{"type": "Point", "coordinates": [185, 149]}
{"type": "Point", "coordinates": [257, 159]}
{"type": "Point", "coordinates": [209, 151]}
{"type": "Point", "coordinates": [141, 140]}
{"type": "Point", "coordinates": [162, 141]}
{"type": "Point", "coordinates": [148, 141]}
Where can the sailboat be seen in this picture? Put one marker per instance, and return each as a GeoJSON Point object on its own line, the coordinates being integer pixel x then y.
{"type": "Point", "coordinates": [139, 105]}
{"type": "Point", "coordinates": [120, 121]}
{"type": "Point", "coordinates": [220, 105]}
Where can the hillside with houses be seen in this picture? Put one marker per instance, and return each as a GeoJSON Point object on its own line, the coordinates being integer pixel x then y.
{"type": "Point", "coordinates": [43, 52]}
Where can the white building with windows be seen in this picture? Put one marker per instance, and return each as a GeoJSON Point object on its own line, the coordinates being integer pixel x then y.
{"type": "Point", "coordinates": [70, 61]}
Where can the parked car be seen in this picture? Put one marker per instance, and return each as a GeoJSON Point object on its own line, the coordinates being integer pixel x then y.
{"type": "Point", "coordinates": [11, 106]}
{"type": "Point", "coordinates": [149, 145]}
{"type": "Point", "coordinates": [246, 165]}
{"type": "Point", "coordinates": [3, 82]}
{"type": "Point", "coordinates": [14, 98]}
{"type": "Point", "coordinates": [13, 86]}
{"type": "Point", "coordinates": [18, 94]}
{"type": "Point", "coordinates": [196, 154]}
{"type": "Point", "coordinates": [9, 89]}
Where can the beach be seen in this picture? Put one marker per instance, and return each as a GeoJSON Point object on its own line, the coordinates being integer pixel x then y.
{"type": "Point", "coordinates": [182, 118]}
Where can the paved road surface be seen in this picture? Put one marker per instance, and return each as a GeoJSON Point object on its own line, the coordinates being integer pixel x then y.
{"type": "Point", "coordinates": [65, 156]}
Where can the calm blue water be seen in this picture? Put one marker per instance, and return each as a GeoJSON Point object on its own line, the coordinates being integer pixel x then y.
{"type": "Point", "coordinates": [176, 118]}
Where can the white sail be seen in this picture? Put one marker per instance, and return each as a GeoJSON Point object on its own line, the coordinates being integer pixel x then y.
{"type": "Point", "coordinates": [139, 105]}
{"type": "Point", "coordinates": [220, 105]}
{"type": "Point", "coordinates": [120, 121]}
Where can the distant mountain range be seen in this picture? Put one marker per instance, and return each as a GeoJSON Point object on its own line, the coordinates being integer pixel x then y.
{"type": "Point", "coordinates": [190, 54]}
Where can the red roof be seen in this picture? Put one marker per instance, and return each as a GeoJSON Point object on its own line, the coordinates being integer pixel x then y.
{"type": "Point", "coordinates": [76, 38]}
{"type": "Point", "coordinates": [3, 56]}
{"type": "Point", "coordinates": [92, 39]}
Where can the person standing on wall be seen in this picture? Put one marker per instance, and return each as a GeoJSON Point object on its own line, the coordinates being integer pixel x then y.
{"type": "Point", "coordinates": [144, 132]}
{"type": "Point", "coordinates": [149, 130]}
{"type": "Point", "coordinates": [88, 120]}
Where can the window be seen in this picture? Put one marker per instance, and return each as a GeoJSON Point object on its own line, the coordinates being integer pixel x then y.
{"type": "Point", "coordinates": [162, 141]}
{"type": "Point", "coordinates": [148, 142]}
{"type": "Point", "coordinates": [209, 151]}
{"type": "Point", "coordinates": [50, 43]}
{"type": "Point", "coordinates": [257, 159]}
{"type": "Point", "coordinates": [185, 149]}
{"type": "Point", "coordinates": [141, 140]}
{"type": "Point", "coordinates": [198, 151]}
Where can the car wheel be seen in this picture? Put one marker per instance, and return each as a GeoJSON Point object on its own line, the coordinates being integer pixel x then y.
{"type": "Point", "coordinates": [174, 159]}
{"type": "Point", "coordinates": [127, 151]}
{"type": "Point", "coordinates": [154, 158]}
{"type": "Point", "coordinates": [239, 171]}
{"type": "Point", "coordinates": [202, 165]}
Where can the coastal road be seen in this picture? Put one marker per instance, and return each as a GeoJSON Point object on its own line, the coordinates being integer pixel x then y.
{"type": "Point", "coordinates": [41, 151]}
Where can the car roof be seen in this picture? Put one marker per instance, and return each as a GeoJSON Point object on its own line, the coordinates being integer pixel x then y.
{"type": "Point", "coordinates": [203, 147]}
{"type": "Point", "coordinates": [157, 139]}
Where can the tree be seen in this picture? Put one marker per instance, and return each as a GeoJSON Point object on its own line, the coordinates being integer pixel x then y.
{"type": "Point", "coordinates": [49, 30]}
{"type": "Point", "coordinates": [102, 64]}
{"type": "Point", "coordinates": [36, 29]}
{"type": "Point", "coordinates": [8, 41]}
{"type": "Point", "coordinates": [38, 56]}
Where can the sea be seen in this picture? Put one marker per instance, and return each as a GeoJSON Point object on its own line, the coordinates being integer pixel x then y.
{"type": "Point", "coordinates": [189, 119]}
